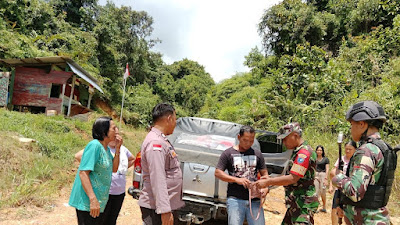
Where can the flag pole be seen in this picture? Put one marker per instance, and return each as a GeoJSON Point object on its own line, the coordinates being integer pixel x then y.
{"type": "Point", "coordinates": [126, 74]}
{"type": "Point", "coordinates": [122, 106]}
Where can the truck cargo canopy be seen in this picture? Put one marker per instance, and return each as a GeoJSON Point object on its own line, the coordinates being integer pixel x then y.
{"type": "Point", "coordinates": [202, 141]}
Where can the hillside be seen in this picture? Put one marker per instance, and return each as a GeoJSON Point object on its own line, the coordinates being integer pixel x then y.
{"type": "Point", "coordinates": [34, 172]}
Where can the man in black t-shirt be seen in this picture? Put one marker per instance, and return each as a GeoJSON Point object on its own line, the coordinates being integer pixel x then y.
{"type": "Point", "coordinates": [243, 163]}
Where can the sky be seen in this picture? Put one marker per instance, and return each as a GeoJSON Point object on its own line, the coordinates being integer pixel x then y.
{"type": "Point", "coordinates": [217, 34]}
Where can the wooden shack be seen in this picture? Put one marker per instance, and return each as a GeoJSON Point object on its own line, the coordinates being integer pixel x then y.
{"type": "Point", "coordinates": [49, 84]}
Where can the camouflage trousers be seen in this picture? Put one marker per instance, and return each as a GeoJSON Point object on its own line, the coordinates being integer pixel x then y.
{"type": "Point", "coordinates": [300, 209]}
{"type": "Point", "coordinates": [298, 216]}
{"type": "Point", "coordinates": [361, 216]}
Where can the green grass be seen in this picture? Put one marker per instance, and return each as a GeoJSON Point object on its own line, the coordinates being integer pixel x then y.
{"type": "Point", "coordinates": [34, 173]}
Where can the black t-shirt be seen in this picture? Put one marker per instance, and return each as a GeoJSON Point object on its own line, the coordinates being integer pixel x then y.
{"type": "Point", "coordinates": [241, 164]}
{"type": "Point", "coordinates": [321, 165]}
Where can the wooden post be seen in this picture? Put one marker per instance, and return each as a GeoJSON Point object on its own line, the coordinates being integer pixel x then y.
{"type": "Point", "coordinates": [91, 92]}
{"type": "Point", "coordinates": [71, 94]}
{"type": "Point", "coordinates": [62, 99]}
{"type": "Point", "coordinates": [90, 99]}
{"type": "Point", "coordinates": [63, 91]}
{"type": "Point", "coordinates": [11, 90]}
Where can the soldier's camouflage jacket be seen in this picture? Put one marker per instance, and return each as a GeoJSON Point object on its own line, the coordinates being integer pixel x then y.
{"type": "Point", "coordinates": [365, 169]}
{"type": "Point", "coordinates": [301, 197]}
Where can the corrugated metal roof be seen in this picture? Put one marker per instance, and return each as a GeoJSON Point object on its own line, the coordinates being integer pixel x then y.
{"type": "Point", "coordinates": [79, 72]}
{"type": "Point", "coordinates": [53, 60]}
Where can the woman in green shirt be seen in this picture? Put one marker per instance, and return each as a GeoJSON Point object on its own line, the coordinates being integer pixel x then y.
{"type": "Point", "coordinates": [89, 193]}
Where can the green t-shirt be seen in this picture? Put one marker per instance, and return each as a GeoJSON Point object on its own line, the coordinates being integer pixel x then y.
{"type": "Point", "coordinates": [99, 162]}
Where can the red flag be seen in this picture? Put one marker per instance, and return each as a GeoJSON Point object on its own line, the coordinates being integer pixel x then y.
{"type": "Point", "coordinates": [126, 74]}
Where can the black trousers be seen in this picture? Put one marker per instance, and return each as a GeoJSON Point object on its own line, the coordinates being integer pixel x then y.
{"type": "Point", "coordinates": [113, 207]}
{"type": "Point", "coordinates": [335, 202]}
{"type": "Point", "coordinates": [150, 217]}
{"type": "Point", "coordinates": [84, 218]}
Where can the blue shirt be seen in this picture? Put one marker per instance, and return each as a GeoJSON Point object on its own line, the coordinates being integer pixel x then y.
{"type": "Point", "coordinates": [99, 162]}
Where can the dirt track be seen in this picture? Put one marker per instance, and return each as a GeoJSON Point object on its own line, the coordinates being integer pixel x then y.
{"type": "Point", "coordinates": [130, 212]}
{"type": "Point", "coordinates": [61, 214]}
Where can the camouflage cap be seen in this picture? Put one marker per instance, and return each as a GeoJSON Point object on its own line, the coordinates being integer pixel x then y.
{"type": "Point", "coordinates": [288, 129]}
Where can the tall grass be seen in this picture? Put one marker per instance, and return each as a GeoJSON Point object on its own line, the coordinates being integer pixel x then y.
{"type": "Point", "coordinates": [55, 136]}
{"type": "Point", "coordinates": [34, 173]}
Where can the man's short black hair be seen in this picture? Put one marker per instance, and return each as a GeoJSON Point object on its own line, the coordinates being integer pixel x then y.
{"type": "Point", "coordinates": [376, 123]}
{"type": "Point", "coordinates": [101, 127]}
{"type": "Point", "coordinates": [247, 129]}
{"type": "Point", "coordinates": [162, 109]}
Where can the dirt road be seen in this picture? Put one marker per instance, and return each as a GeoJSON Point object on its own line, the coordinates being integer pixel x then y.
{"type": "Point", "coordinates": [61, 214]}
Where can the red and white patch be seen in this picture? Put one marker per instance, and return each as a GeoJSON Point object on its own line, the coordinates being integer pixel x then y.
{"type": "Point", "coordinates": [157, 147]}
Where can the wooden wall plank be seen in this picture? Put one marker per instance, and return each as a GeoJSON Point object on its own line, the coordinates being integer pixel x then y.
{"type": "Point", "coordinates": [32, 87]}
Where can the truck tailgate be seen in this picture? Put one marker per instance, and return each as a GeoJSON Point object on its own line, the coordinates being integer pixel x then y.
{"type": "Point", "coordinates": [199, 180]}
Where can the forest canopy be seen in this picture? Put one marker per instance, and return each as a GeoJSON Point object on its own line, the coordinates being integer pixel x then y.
{"type": "Point", "coordinates": [318, 58]}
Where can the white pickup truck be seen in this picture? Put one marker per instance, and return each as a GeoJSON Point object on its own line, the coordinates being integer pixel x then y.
{"type": "Point", "coordinates": [199, 142]}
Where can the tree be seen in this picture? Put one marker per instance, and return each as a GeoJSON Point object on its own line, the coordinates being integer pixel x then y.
{"type": "Point", "coordinates": [140, 101]}
{"type": "Point", "coordinates": [191, 91]}
{"type": "Point", "coordinates": [191, 83]}
{"type": "Point", "coordinates": [121, 34]}
{"type": "Point", "coordinates": [16, 45]}
{"type": "Point", "coordinates": [293, 22]}
{"type": "Point", "coordinates": [77, 11]}
{"type": "Point", "coordinates": [28, 17]}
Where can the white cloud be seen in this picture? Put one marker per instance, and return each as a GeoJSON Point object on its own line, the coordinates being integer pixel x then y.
{"type": "Point", "coordinates": [218, 34]}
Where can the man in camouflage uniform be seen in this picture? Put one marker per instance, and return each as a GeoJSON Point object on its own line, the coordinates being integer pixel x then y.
{"type": "Point", "coordinates": [300, 195]}
{"type": "Point", "coordinates": [365, 167]}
